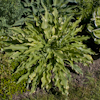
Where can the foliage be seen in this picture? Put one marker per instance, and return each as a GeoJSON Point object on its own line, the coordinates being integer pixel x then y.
{"type": "Point", "coordinates": [44, 47]}
{"type": "Point", "coordinates": [85, 8]}
{"type": "Point", "coordinates": [63, 6]}
{"type": "Point", "coordinates": [94, 26]}
{"type": "Point", "coordinates": [12, 13]}
{"type": "Point", "coordinates": [16, 12]}
{"type": "Point", "coordinates": [8, 87]}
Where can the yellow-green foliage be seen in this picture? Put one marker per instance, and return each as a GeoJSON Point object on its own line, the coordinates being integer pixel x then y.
{"type": "Point", "coordinates": [45, 46]}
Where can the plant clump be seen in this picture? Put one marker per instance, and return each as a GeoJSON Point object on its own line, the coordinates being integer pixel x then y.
{"type": "Point", "coordinates": [45, 46]}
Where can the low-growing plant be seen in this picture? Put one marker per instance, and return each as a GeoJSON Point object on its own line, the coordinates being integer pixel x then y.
{"type": "Point", "coordinates": [12, 13]}
{"type": "Point", "coordinates": [86, 8]}
{"type": "Point", "coordinates": [44, 47]}
{"type": "Point", "coordinates": [8, 87]}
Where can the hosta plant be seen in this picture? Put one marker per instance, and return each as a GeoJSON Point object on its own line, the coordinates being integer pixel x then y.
{"type": "Point", "coordinates": [45, 47]}
{"type": "Point", "coordinates": [94, 26]}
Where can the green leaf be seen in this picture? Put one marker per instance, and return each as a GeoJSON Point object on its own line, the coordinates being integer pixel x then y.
{"type": "Point", "coordinates": [20, 67]}
{"type": "Point", "coordinates": [32, 75]}
{"type": "Point", "coordinates": [53, 30]}
{"type": "Point", "coordinates": [49, 55]}
{"type": "Point", "coordinates": [44, 23]}
{"type": "Point", "coordinates": [34, 84]}
{"type": "Point", "coordinates": [31, 62]}
{"type": "Point", "coordinates": [16, 38]}
{"type": "Point", "coordinates": [66, 23]}
{"type": "Point", "coordinates": [47, 32]}
{"type": "Point", "coordinates": [37, 20]}
{"type": "Point", "coordinates": [16, 47]}
{"type": "Point", "coordinates": [25, 76]}
{"type": "Point", "coordinates": [55, 12]}
{"type": "Point", "coordinates": [97, 41]}
{"type": "Point", "coordinates": [19, 22]}
{"type": "Point", "coordinates": [31, 28]}
{"type": "Point", "coordinates": [52, 39]}
{"type": "Point", "coordinates": [76, 23]}
{"type": "Point", "coordinates": [59, 54]}
{"type": "Point", "coordinates": [77, 69]}
{"type": "Point", "coordinates": [55, 2]}
{"type": "Point", "coordinates": [77, 30]}
{"type": "Point", "coordinates": [31, 39]}
{"type": "Point", "coordinates": [16, 54]}
{"type": "Point", "coordinates": [44, 80]}
{"type": "Point", "coordinates": [49, 74]}
{"type": "Point", "coordinates": [43, 5]}
{"type": "Point", "coordinates": [33, 48]}
{"type": "Point", "coordinates": [98, 12]}
{"type": "Point", "coordinates": [30, 50]}
{"type": "Point", "coordinates": [59, 60]}
{"type": "Point", "coordinates": [64, 81]}
{"type": "Point", "coordinates": [33, 89]}
{"type": "Point", "coordinates": [96, 33]}
{"type": "Point", "coordinates": [90, 28]}
{"type": "Point", "coordinates": [18, 30]}
{"type": "Point", "coordinates": [39, 68]}
{"type": "Point", "coordinates": [97, 21]}
{"type": "Point", "coordinates": [89, 57]}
